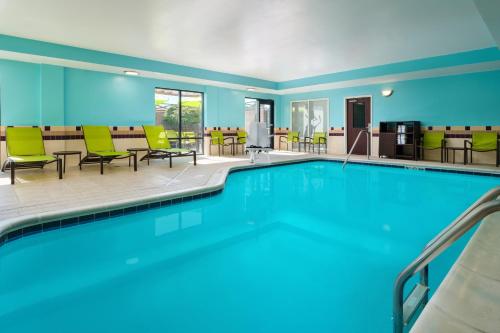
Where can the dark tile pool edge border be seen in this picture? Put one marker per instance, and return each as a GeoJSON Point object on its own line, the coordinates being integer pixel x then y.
{"type": "Point", "coordinates": [59, 223]}
{"type": "Point", "coordinates": [54, 224]}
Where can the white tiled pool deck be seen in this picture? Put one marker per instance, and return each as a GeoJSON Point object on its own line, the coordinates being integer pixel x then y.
{"type": "Point", "coordinates": [39, 196]}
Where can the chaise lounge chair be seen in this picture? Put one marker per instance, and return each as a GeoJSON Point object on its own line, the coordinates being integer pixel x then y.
{"type": "Point", "coordinates": [100, 147]}
{"type": "Point", "coordinates": [483, 142]}
{"type": "Point", "coordinates": [25, 150]}
{"type": "Point", "coordinates": [160, 147]}
{"type": "Point", "coordinates": [431, 141]}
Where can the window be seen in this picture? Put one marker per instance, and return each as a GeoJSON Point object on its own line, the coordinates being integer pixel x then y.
{"type": "Point", "coordinates": [310, 116]}
{"type": "Point", "coordinates": [181, 114]}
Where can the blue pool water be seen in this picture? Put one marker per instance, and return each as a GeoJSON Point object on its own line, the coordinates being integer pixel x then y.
{"type": "Point", "coordinates": [297, 248]}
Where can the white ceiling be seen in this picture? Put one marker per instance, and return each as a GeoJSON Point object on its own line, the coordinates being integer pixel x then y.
{"type": "Point", "coordinates": [270, 39]}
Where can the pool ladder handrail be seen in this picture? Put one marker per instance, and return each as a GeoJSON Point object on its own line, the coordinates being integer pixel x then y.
{"type": "Point", "coordinates": [367, 132]}
{"type": "Point", "coordinates": [405, 309]}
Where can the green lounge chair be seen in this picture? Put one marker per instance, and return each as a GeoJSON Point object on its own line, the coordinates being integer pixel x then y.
{"type": "Point", "coordinates": [100, 147]}
{"type": "Point", "coordinates": [241, 140]}
{"type": "Point", "coordinates": [292, 137]}
{"type": "Point", "coordinates": [159, 145]}
{"type": "Point", "coordinates": [319, 138]}
{"type": "Point", "coordinates": [25, 150]}
{"type": "Point", "coordinates": [482, 142]}
{"type": "Point", "coordinates": [431, 141]}
{"type": "Point", "coordinates": [217, 139]}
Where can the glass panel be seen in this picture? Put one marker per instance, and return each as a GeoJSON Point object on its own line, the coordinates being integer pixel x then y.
{"type": "Point", "coordinates": [251, 113]}
{"type": "Point", "coordinates": [358, 115]}
{"type": "Point", "coordinates": [265, 114]}
{"type": "Point", "coordinates": [167, 110]}
{"type": "Point", "coordinates": [191, 117]}
{"type": "Point", "coordinates": [300, 117]}
{"type": "Point", "coordinates": [318, 117]}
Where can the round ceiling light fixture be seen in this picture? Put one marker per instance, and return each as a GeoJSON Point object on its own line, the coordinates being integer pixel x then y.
{"type": "Point", "coordinates": [132, 73]}
{"type": "Point", "coordinates": [387, 92]}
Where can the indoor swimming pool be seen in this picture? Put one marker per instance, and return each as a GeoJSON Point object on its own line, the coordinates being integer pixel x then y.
{"type": "Point", "coordinates": [304, 247]}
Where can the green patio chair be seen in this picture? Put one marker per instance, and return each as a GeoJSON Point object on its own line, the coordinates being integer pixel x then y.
{"type": "Point", "coordinates": [218, 139]}
{"type": "Point", "coordinates": [431, 141]}
{"type": "Point", "coordinates": [189, 139]}
{"type": "Point", "coordinates": [173, 137]}
{"type": "Point", "coordinates": [25, 150]}
{"type": "Point", "coordinates": [292, 137]}
{"type": "Point", "coordinates": [318, 139]}
{"type": "Point", "coordinates": [241, 140]}
{"type": "Point", "coordinates": [482, 142]}
{"type": "Point", "coordinates": [159, 145]}
{"type": "Point", "coordinates": [100, 147]}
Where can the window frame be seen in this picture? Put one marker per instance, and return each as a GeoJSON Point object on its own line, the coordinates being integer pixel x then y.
{"type": "Point", "coordinates": [180, 91]}
{"type": "Point", "coordinates": [308, 102]}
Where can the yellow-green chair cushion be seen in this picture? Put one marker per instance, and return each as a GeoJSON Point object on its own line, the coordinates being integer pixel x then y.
{"type": "Point", "coordinates": [241, 137]}
{"type": "Point", "coordinates": [433, 140]}
{"type": "Point", "coordinates": [293, 136]}
{"type": "Point", "coordinates": [319, 137]}
{"type": "Point", "coordinates": [156, 136]}
{"type": "Point", "coordinates": [217, 137]}
{"type": "Point", "coordinates": [32, 159]}
{"type": "Point", "coordinates": [484, 141]}
{"type": "Point", "coordinates": [24, 141]}
{"type": "Point", "coordinates": [98, 139]}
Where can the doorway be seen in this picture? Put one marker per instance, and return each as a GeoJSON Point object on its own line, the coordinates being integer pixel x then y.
{"type": "Point", "coordinates": [260, 110]}
{"type": "Point", "coordinates": [358, 118]}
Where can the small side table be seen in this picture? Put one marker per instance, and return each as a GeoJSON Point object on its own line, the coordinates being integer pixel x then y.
{"type": "Point", "coordinates": [65, 153]}
{"type": "Point", "coordinates": [454, 149]}
{"type": "Point", "coordinates": [136, 150]}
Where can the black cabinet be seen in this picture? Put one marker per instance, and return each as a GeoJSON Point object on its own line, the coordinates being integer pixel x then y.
{"type": "Point", "coordinates": [399, 139]}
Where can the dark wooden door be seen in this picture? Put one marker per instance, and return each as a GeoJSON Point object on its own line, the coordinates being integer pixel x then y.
{"type": "Point", "coordinates": [358, 118]}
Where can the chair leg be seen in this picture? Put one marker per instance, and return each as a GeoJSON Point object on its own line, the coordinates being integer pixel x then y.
{"type": "Point", "coordinates": [170, 160]}
{"type": "Point", "coordinates": [101, 162]}
{"type": "Point", "coordinates": [59, 168]}
{"type": "Point", "coordinates": [135, 162]}
{"type": "Point", "coordinates": [219, 149]}
{"type": "Point", "coordinates": [194, 157]}
{"type": "Point", "coordinates": [12, 172]}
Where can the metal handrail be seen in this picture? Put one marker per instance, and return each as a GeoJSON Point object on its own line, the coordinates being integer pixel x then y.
{"type": "Point", "coordinates": [467, 220]}
{"type": "Point", "coordinates": [354, 146]}
{"type": "Point", "coordinates": [488, 196]}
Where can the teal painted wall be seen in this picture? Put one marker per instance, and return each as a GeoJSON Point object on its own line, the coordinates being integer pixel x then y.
{"type": "Point", "coordinates": [469, 99]}
{"type": "Point", "coordinates": [33, 94]}
{"type": "Point", "coordinates": [52, 95]}
{"type": "Point", "coordinates": [19, 93]}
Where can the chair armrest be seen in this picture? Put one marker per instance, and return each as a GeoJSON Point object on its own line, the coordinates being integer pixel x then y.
{"type": "Point", "coordinates": [229, 138]}
{"type": "Point", "coordinates": [281, 137]}
{"type": "Point", "coordinates": [322, 139]}
{"type": "Point", "coordinates": [307, 139]}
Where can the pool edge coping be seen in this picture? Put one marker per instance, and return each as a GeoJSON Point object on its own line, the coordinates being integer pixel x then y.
{"type": "Point", "coordinates": [35, 223]}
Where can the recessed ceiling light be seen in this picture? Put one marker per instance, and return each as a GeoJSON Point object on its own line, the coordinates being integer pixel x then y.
{"type": "Point", "coordinates": [133, 73]}
{"type": "Point", "coordinates": [251, 89]}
